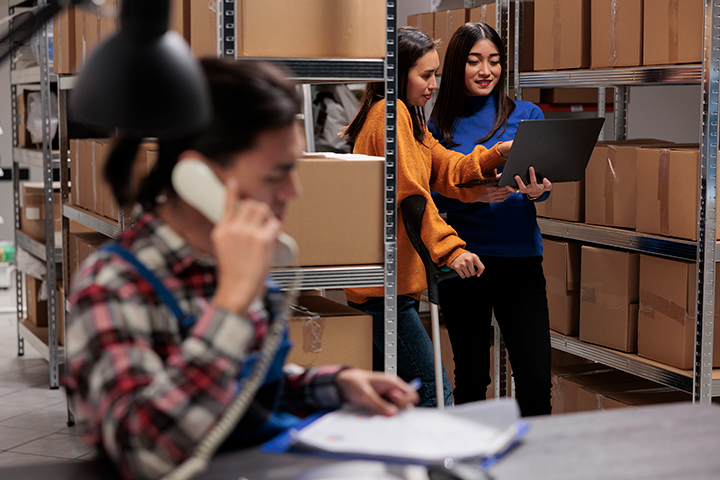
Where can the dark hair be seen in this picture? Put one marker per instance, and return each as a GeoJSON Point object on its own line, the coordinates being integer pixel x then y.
{"type": "Point", "coordinates": [450, 106]}
{"type": "Point", "coordinates": [248, 98]}
{"type": "Point", "coordinates": [412, 45]}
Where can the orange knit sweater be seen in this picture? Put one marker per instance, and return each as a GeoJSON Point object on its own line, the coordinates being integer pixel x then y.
{"type": "Point", "coordinates": [421, 167]}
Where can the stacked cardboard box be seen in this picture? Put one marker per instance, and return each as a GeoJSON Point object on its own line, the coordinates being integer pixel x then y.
{"type": "Point", "coordinates": [567, 202]}
{"type": "Point", "coordinates": [87, 161]}
{"type": "Point", "coordinates": [37, 309]}
{"type": "Point", "coordinates": [609, 298]}
{"type": "Point", "coordinates": [672, 32]}
{"type": "Point", "coordinates": [561, 264]}
{"type": "Point", "coordinates": [324, 332]}
{"type": "Point", "coordinates": [82, 245]}
{"type": "Point", "coordinates": [339, 217]}
{"type": "Point", "coordinates": [308, 29]}
{"type": "Point", "coordinates": [667, 186]}
{"type": "Point", "coordinates": [617, 30]}
{"type": "Point", "coordinates": [32, 211]}
{"type": "Point", "coordinates": [611, 183]}
{"type": "Point", "coordinates": [487, 13]}
{"type": "Point", "coordinates": [666, 322]}
{"type": "Point", "coordinates": [562, 34]}
{"type": "Point", "coordinates": [425, 22]}
{"type": "Point", "coordinates": [446, 22]}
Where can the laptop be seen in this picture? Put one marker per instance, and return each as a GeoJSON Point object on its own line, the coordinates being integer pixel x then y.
{"type": "Point", "coordinates": [558, 149]}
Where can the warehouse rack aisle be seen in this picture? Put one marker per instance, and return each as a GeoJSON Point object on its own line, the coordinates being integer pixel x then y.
{"type": "Point", "coordinates": [703, 382]}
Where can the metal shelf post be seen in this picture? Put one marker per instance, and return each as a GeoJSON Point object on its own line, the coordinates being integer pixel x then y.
{"type": "Point", "coordinates": [390, 241]}
{"type": "Point", "coordinates": [707, 206]}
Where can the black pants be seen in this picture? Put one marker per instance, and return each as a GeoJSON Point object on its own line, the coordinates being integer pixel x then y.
{"type": "Point", "coordinates": [515, 288]}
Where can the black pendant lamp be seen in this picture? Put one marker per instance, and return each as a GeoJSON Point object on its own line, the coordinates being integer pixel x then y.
{"type": "Point", "coordinates": [143, 80]}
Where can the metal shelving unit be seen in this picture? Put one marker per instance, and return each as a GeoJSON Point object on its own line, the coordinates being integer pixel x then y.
{"type": "Point", "coordinates": [703, 383]}
{"type": "Point", "coordinates": [632, 363]}
{"type": "Point", "coordinates": [92, 220]}
{"type": "Point", "coordinates": [47, 345]}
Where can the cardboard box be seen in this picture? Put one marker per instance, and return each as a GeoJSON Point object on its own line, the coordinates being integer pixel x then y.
{"type": "Point", "coordinates": [107, 24]}
{"type": "Point", "coordinates": [562, 34]}
{"type": "Point", "coordinates": [32, 211]}
{"type": "Point", "coordinates": [75, 185]}
{"type": "Point", "coordinates": [566, 202]}
{"type": "Point", "coordinates": [81, 246]}
{"type": "Point", "coordinates": [617, 31]}
{"type": "Point", "coordinates": [575, 96]}
{"type": "Point", "coordinates": [570, 385]}
{"type": "Point", "coordinates": [308, 29]}
{"type": "Point", "coordinates": [649, 397]}
{"type": "Point", "coordinates": [564, 397]}
{"type": "Point", "coordinates": [87, 172]}
{"type": "Point", "coordinates": [561, 264]}
{"type": "Point", "coordinates": [37, 313]}
{"type": "Point", "coordinates": [87, 30]}
{"type": "Point", "coordinates": [667, 189]}
{"type": "Point", "coordinates": [611, 183]}
{"type": "Point", "coordinates": [24, 139]}
{"type": "Point", "coordinates": [488, 14]}
{"type": "Point", "coordinates": [528, 94]}
{"type": "Point", "coordinates": [609, 298]}
{"type": "Point", "coordinates": [666, 322]}
{"type": "Point", "coordinates": [64, 36]}
{"type": "Point", "coordinates": [425, 22]}
{"type": "Point", "coordinates": [331, 333]}
{"type": "Point", "coordinates": [37, 310]}
{"type": "Point", "coordinates": [592, 397]}
{"type": "Point", "coordinates": [446, 22]}
{"type": "Point", "coordinates": [673, 32]}
{"type": "Point", "coordinates": [338, 220]}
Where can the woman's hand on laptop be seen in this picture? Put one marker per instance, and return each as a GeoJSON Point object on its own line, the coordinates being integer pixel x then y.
{"type": "Point", "coordinates": [534, 190]}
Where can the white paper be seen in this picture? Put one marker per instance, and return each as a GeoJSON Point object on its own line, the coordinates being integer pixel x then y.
{"type": "Point", "coordinates": [421, 434]}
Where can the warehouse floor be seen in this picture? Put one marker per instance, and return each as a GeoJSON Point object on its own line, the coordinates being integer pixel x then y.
{"type": "Point", "coordinates": [33, 418]}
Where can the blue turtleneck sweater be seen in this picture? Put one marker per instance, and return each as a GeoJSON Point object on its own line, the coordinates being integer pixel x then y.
{"type": "Point", "coordinates": [504, 229]}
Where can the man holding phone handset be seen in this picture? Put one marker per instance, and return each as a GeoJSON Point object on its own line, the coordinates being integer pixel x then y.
{"type": "Point", "coordinates": [164, 323]}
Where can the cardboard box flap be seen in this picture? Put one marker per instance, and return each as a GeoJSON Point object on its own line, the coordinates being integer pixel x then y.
{"type": "Point", "coordinates": [324, 307]}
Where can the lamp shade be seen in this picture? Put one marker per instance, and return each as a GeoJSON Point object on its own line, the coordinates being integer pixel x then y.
{"type": "Point", "coordinates": [143, 80]}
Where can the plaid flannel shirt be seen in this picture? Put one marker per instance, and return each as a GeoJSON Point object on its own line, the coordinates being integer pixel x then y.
{"type": "Point", "coordinates": [143, 394]}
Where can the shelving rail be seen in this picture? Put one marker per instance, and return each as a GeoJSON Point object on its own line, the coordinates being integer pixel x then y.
{"type": "Point", "coordinates": [49, 253]}
{"type": "Point", "coordinates": [703, 383]}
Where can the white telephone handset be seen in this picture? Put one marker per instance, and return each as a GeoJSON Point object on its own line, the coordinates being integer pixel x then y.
{"type": "Point", "coordinates": [198, 185]}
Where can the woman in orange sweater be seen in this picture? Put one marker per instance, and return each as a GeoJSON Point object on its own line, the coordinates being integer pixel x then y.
{"type": "Point", "coordinates": [422, 164]}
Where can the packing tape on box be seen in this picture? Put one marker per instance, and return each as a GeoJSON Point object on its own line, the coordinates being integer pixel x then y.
{"type": "Point", "coordinates": [313, 326]}
{"type": "Point", "coordinates": [651, 303]}
{"type": "Point", "coordinates": [610, 180]}
{"type": "Point", "coordinates": [94, 176]}
{"type": "Point", "coordinates": [592, 292]}
{"type": "Point", "coordinates": [483, 14]}
{"type": "Point", "coordinates": [673, 21]}
{"type": "Point", "coordinates": [664, 190]}
{"type": "Point", "coordinates": [556, 34]}
{"type": "Point", "coordinates": [614, 32]}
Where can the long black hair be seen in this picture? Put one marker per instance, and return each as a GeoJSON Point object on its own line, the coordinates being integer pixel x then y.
{"type": "Point", "coordinates": [450, 106]}
{"type": "Point", "coordinates": [248, 98]}
{"type": "Point", "coordinates": [412, 45]}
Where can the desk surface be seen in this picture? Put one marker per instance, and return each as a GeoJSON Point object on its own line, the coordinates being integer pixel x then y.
{"type": "Point", "coordinates": [677, 441]}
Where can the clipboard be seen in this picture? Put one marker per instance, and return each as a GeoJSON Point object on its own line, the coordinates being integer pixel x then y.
{"type": "Point", "coordinates": [502, 418]}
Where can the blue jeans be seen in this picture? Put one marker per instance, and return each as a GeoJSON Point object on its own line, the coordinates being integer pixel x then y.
{"type": "Point", "coordinates": [415, 350]}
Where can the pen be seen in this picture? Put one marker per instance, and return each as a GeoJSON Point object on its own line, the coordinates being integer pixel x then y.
{"type": "Point", "coordinates": [415, 384]}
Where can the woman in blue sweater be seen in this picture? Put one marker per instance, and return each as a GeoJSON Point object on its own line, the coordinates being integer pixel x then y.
{"type": "Point", "coordinates": [500, 228]}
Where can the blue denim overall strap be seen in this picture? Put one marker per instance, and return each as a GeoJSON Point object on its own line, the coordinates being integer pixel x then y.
{"type": "Point", "coordinates": [186, 321]}
{"type": "Point", "coordinates": [264, 422]}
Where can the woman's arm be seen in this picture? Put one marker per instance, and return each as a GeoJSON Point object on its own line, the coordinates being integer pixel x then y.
{"type": "Point", "coordinates": [450, 168]}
